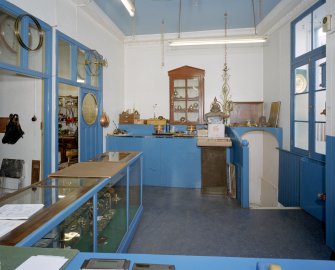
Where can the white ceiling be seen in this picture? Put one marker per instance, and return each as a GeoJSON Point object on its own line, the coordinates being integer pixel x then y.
{"type": "Point", "coordinates": [196, 15]}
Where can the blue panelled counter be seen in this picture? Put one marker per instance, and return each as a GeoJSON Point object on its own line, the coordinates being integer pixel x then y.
{"type": "Point", "coordinates": [12, 257]}
{"type": "Point", "coordinates": [167, 161]}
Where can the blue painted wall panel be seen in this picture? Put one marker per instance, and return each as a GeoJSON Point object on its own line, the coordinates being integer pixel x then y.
{"type": "Point", "coordinates": [289, 179]}
{"type": "Point", "coordinates": [312, 182]}
{"type": "Point", "coordinates": [169, 162]}
{"type": "Point", "coordinates": [330, 190]}
{"type": "Point", "coordinates": [181, 162]}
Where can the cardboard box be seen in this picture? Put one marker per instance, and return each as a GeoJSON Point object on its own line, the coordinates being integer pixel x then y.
{"type": "Point", "coordinates": [216, 130]}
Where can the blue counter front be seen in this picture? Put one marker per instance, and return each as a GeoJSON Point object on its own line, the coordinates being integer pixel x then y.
{"type": "Point", "coordinates": [167, 161]}
{"type": "Point", "coordinates": [208, 262]}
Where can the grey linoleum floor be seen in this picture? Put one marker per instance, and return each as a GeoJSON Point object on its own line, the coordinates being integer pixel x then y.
{"type": "Point", "coordinates": [182, 221]}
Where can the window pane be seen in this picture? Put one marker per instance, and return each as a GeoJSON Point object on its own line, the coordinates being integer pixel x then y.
{"type": "Point", "coordinates": [319, 36]}
{"type": "Point", "coordinates": [64, 59]}
{"type": "Point", "coordinates": [301, 79]}
{"type": "Point", "coordinates": [303, 36]}
{"type": "Point", "coordinates": [320, 74]}
{"type": "Point", "coordinates": [301, 107]}
{"type": "Point", "coordinates": [36, 58]}
{"type": "Point", "coordinates": [320, 106]}
{"type": "Point", "coordinates": [320, 138]}
{"type": "Point", "coordinates": [9, 46]}
{"type": "Point", "coordinates": [301, 135]}
{"type": "Point", "coordinates": [95, 79]}
{"type": "Point", "coordinates": [81, 69]}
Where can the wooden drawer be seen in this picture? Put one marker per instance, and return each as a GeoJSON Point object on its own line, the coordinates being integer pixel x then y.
{"type": "Point", "coordinates": [128, 118]}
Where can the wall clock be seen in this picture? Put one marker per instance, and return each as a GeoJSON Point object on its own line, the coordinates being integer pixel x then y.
{"type": "Point", "coordinates": [90, 109]}
{"type": "Point", "coordinates": [7, 33]}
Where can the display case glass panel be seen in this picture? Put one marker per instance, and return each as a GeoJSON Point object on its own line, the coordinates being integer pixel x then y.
{"type": "Point", "coordinates": [112, 215]}
{"type": "Point", "coordinates": [134, 189]}
{"type": "Point", "coordinates": [75, 232]}
{"type": "Point", "coordinates": [54, 194]}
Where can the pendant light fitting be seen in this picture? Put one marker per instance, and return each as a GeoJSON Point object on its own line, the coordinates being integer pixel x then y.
{"type": "Point", "coordinates": [248, 39]}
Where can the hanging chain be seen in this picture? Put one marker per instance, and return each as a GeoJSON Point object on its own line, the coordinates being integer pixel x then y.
{"type": "Point", "coordinates": [227, 104]}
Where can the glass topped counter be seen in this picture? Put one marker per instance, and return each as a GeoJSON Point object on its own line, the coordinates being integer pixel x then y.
{"type": "Point", "coordinates": [53, 195]}
{"type": "Point", "coordinates": [115, 156]}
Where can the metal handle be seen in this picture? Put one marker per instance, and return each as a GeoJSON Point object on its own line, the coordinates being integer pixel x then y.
{"type": "Point", "coordinates": [322, 196]}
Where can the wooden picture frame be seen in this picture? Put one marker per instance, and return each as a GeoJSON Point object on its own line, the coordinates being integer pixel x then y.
{"type": "Point", "coordinates": [3, 123]}
{"type": "Point", "coordinates": [274, 114]}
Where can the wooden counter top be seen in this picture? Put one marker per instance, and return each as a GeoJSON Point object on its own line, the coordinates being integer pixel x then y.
{"type": "Point", "coordinates": [91, 169]}
{"type": "Point", "coordinates": [206, 141]}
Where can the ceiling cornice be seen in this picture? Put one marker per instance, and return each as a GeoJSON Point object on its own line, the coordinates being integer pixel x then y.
{"type": "Point", "coordinates": [284, 12]}
{"type": "Point", "coordinates": [94, 11]}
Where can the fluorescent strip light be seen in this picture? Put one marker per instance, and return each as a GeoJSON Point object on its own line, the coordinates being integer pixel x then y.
{"type": "Point", "coordinates": [216, 41]}
{"type": "Point", "coordinates": [129, 6]}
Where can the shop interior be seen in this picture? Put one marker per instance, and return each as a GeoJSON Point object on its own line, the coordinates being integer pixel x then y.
{"type": "Point", "coordinates": [118, 141]}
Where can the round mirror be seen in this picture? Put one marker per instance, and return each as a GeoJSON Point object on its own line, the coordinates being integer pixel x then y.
{"type": "Point", "coordinates": [90, 109]}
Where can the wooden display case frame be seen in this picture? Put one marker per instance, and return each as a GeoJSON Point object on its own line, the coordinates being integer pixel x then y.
{"type": "Point", "coordinates": [186, 73]}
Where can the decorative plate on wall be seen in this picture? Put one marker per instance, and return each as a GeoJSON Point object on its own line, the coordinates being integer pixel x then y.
{"type": "Point", "coordinates": [300, 83]}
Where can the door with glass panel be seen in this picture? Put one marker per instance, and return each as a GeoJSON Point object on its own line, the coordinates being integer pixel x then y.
{"type": "Point", "coordinates": [309, 84]}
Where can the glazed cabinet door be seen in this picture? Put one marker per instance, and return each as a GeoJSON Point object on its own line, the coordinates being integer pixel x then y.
{"type": "Point", "coordinates": [186, 95]}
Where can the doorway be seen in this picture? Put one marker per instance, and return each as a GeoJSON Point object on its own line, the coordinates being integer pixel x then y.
{"type": "Point", "coordinates": [23, 95]}
{"type": "Point", "coordinates": [68, 150]}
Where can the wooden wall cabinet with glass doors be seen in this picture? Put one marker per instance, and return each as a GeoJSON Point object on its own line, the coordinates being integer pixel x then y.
{"type": "Point", "coordinates": [186, 95]}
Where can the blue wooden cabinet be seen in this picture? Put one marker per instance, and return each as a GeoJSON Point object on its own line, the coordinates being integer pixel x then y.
{"type": "Point", "coordinates": [169, 162]}
{"type": "Point", "coordinates": [312, 183]}
{"type": "Point", "coordinates": [301, 179]}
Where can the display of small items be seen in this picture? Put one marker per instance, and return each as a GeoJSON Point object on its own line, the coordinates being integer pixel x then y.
{"type": "Point", "coordinates": [67, 115]}
{"type": "Point", "coordinates": [76, 231]}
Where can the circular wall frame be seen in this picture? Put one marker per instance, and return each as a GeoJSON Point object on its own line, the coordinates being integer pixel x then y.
{"type": "Point", "coordinates": [18, 35]}
{"type": "Point", "coordinates": [90, 109]}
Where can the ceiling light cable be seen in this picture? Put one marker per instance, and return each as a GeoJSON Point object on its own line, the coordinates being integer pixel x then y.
{"type": "Point", "coordinates": [179, 18]}
{"type": "Point", "coordinates": [253, 12]}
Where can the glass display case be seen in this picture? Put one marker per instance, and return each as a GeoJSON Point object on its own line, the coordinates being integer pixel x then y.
{"type": "Point", "coordinates": [88, 214]}
{"type": "Point", "coordinates": [186, 95]}
{"type": "Point", "coordinates": [134, 198]}
{"type": "Point", "coordinates": [77, 230]}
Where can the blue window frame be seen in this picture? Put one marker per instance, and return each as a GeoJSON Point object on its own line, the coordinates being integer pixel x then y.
{"type": "Point", "coordinates": [308, 83]}
{"type": "Point", "coordinates": [35, 64]}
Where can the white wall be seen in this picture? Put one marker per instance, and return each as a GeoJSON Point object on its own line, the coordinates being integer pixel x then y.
{"type": "Point", "coordinates": [17, 96]}
{"type": "Point", "coordinates": [277, 78]}
{"type": "Point", "coordinates": [255, 140]}
{"type": "Point", "coordinates": [80, 23]}
{"type": "Point", "coordinates": [147, 82]}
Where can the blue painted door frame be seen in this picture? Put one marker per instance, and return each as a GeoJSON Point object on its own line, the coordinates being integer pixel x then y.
{"type": "Point", "coordinates": [45, 75]}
